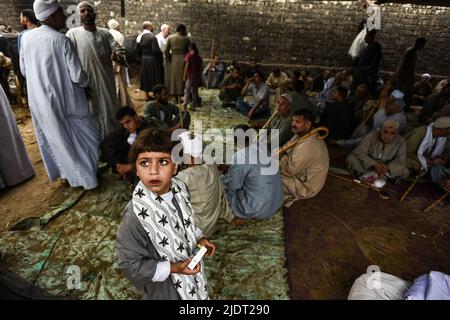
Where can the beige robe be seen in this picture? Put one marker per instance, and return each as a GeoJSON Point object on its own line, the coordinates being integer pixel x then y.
{"type": "Point", "coordinates": [176, 48]}
{"type": "Point", "coordinates": [207, 196]}
{"type": "Point", "coordinates": [304, 170]}
{"type": "Point", "coordinates": [372, 150]}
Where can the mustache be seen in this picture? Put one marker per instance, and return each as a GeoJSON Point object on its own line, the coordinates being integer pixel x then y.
{"type": "Point", "coordinates": [89, 19]}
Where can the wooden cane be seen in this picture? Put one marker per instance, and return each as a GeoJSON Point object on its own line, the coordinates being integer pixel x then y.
{"type": "Point", "coordinates": [266, 124]}
{"type": "Point", "coordinates": [408, 191]}
{"type": "Point", "coordinates": [181, 112]}
{"type": "Point", "coordinates": [435, 203]}
{"type": "Point", "coordinates": [294, 142]}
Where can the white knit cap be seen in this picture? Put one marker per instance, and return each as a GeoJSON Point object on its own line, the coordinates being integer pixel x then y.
{"type": "Point", "coordinates": [113, 24]}
{"type": "Point", "coordinates": [43, 9]}
{"type": "Point", "coordinates": [194, 147]}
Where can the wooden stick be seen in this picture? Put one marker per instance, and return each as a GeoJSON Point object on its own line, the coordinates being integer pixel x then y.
{"type": "Point", "coordinates": [436, 202]}
{"type": "Point", "coordinates": [181, 112]}
{"type": "Point", "coordinates": [294, 142]}
{"type": "Point", "coordinates": [266, 124]}
{"type": "Point", "coordinates": [408, 191]}
{"type": "Point", "coordinates": [358, 182]}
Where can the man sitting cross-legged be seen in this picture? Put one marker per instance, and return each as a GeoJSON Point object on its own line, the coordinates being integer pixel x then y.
{"type": "Point", "coordinates": [304, 168]}
{"type": "Point", "coordinates": [203, 182]}
{"type": "Point", "coordinates": [165, 113]}
{"type": "Point", "coordinates": [251, 187]}
{"type": "Point", "coordinates": [382, 151]}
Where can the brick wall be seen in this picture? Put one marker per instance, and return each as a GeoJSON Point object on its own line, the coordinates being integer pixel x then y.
{"type": "Point", "coordinates": [288, 33]}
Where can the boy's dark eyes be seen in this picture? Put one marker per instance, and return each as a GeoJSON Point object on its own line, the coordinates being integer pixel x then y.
{"type": "Point", "coordinates": [143, 163]}
{"type": "Point", "coordinates": [163, 162]}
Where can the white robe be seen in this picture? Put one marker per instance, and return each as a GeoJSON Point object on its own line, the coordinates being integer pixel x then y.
{"type": "Point", "coordinates": [66, 131]}
{"type": "Point", "coordinates": [15, 166]}
{"type": "Point", "coordinates": [95, 50]}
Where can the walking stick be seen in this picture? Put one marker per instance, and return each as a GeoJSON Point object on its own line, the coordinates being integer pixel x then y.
{"type": "Point", "coordinates": [382, 194]}
{"type": "Point", "coordinates": [409, 190]}
{"type": "Point", "coordinates": [266, 124]}
{"type": "Point", "coordinates": [181, 112]}
{"type": "Point", "coordinates": [208, 75]}
{"type": "Point", "coordinates": [436, 202]}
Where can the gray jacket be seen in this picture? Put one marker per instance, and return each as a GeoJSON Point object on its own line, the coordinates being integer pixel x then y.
{"type": "Point", "coordinates": [138, 259]}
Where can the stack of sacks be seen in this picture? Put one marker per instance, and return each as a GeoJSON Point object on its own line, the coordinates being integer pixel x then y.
{"type": "Point", "coordinates": [378, 286]}
{"type": "Point", "coordinates": [433, 286]}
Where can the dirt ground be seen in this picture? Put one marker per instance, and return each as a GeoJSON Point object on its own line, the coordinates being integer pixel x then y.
{"type": "Point", "coordinates": [43, 194]}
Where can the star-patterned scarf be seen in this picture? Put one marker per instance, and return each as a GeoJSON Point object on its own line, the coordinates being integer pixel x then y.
{"type": "Point", "coordinates": [173, 238]}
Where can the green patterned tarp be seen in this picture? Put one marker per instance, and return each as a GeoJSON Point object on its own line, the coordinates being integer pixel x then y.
{"type": "Point", "coordinates": [250, 262]}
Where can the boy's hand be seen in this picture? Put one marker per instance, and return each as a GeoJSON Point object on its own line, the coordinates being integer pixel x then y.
{"type": "Point", "coordinates": [211, 247]}
{"type": "Point", "coordinates": [182, 267]}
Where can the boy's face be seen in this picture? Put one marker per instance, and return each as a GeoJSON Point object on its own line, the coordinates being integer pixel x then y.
{"type": "Point", "coordinates": [129, 123]}
{"type": "Point", "coordinates": [156, 169]}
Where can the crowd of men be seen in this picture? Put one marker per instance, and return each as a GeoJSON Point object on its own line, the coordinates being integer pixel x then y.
{"type": "Point", "coordinates": [77, 82]}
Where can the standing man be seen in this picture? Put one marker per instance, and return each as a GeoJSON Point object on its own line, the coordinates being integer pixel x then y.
{"type": "Point", "coordinates": [95, 47]}
{"type": "Point", "coordinates": [162, 36]}
{"type": "Point", "coordinates": [66, 132]}
{"type": "Point", "coordinates": [304, 169]}
{"type": "Point", "coordinates": [120, 71]}
{"type": "Point", "coordinates": [406, 69]}
{"type": "Point", "coordinates": [369, 63]}
{"type": "Point", "coordinates": [29, 22]}
{"type": "Point", "coordinates": [15, 166]}
{"type": "Point", "coordinates": [177, 47]}
{"type": "Point", "coordinates": [152, 69]}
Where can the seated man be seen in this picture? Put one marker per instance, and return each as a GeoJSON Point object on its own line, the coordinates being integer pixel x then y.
{"type": "Point", "coordinates": [441, 176]}
{"type": "Point", "coordinates": [230, 88]}
{"type": "Point", "coordinates": [434, 104]}
{"type": "Point", "coordinates": [300, 99]}
{"type": "Point", "coordinates": [277, 79]}
{"type": "Point", "coordinates": [283, 119]}
{"type": "Point", "coordinates": [259, 105]}
{"type": "Point", "coordinates": [425, 146]}
{"type": "Point", "coordinates": [381, 151]}
{"type": "Point", "coordinates": [250, 192]}
{"type": "Point", "coordinates": [203, 182]}
{"type": "Point", "coordinates": [304, 168]}
{"type": "Point", "coordinates": [422, 89]}
{"type": "Point", "coordinates": [338, 116]}
{"type": "Point", "coordinates": [213, 73]}
{"type": "Point", "coordinates": [392, 110]}
{"type": "Point", "coordinates": [165, 113]}
{"type": "Point", "coordinates": [116, 145]}
{"type": "Point", "coordinates": [306, 78]}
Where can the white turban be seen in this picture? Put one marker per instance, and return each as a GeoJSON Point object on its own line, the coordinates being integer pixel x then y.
{"type": "Point", "coordinates": [397, 94]}
{"type": "Point", "coordinates": [113, 24]}
{"type": "Point", "coordinates": [194, 147]}
{"type": "Point", "coordinates": [426, 75]}
{"type": "Point", "coordinates": [82, 4]}
{"type": "Point", "coordinates": [43, 9]}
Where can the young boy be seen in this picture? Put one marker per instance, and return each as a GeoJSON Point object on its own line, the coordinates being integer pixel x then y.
{"type": "Point", "coordinates": [157, 235]}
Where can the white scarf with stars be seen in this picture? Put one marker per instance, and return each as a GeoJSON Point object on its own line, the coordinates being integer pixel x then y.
{"type": "Point", "coordinates": [173, 239]}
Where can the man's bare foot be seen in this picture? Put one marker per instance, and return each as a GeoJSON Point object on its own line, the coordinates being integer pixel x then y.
{"type": "Point", "coordinates": [238, 221]}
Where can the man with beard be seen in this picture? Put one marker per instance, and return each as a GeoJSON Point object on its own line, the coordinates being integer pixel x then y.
{"type": "Point", "coordinates": [95, 47]}
{"type": "Point", "coordinates": [66, 132]}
